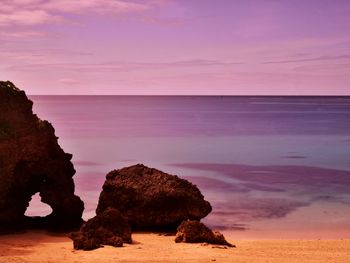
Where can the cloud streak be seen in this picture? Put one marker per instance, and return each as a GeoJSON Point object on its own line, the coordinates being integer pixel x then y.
{"type": "Point", "coordinates": [121, 66]}
{"type": "Point", "coordinates": [27, 18]}
{"type": "Point", "coordinates": [38, 12]}
{"type": "Point", "coordinates": [321, 58]}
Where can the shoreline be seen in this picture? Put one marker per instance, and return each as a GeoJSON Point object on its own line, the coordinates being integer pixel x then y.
{"type": "Point", "coordinates": [40, 246]}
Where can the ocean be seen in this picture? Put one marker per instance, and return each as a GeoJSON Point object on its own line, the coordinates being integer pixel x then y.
{"type": "Point", "coordinates": [272, 167]}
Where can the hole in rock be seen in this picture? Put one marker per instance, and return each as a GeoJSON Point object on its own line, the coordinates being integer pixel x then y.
{"type": "Point", "coordinates": [37, 208]}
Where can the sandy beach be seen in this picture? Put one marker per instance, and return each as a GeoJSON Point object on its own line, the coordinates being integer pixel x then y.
{"type": "Point", "coordinates": [40, 247]}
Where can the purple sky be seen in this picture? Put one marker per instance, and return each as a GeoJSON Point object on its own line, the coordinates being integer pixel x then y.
{"type": "Point", "coordinates": [176, 46]}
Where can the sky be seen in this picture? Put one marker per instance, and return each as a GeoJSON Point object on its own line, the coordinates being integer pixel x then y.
{"type": "Point", "coordinates": [176, 47]}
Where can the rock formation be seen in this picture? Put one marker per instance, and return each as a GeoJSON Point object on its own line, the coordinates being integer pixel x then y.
{"type": "Point", "coordinates": [192, 231]}
{"type": "Point", "coordinates": [31, 161]}
{"type": "Point", "coordinates": [151, 199]}
{"type": "Point", "coordinates": [107, 228]}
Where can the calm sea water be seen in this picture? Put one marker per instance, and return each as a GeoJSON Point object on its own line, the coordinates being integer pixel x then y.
{"type": "Point", "coordinates": [271, 166]}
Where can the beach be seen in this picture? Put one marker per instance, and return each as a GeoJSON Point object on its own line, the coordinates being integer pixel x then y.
{"type": "Point", "coordinates": [277, 177]}
{"type": "Point", "coordinates": [40, 247]}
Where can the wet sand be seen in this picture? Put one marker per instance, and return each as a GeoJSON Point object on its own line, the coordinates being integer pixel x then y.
{"type": "Point", "coordinates": [40, 247]}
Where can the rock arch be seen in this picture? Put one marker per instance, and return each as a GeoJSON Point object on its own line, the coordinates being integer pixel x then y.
{"type": "Point", "coordinates": [31, 161]}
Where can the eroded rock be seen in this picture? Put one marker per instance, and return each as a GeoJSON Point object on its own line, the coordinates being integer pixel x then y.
{"type": "Point", "coordinates": [151, 199]}
{"type": "Point", "coordinates": [108, 228]}
{"type": "Point", "coordinates": [192, 231]}
{"type": "Point", "coordinates": [31, 161]}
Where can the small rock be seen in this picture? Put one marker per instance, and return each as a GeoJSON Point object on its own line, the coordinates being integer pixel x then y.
{"type": "Point", "coordinates": [192, 231]}
{"type": "Point", "coordinates": [108, 228]}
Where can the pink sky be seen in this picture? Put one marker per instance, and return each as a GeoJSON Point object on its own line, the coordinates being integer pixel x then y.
{"type": "Point", "coordinates": [176, 46]}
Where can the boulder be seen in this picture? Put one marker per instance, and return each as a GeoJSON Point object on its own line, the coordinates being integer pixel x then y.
{"type": "Point", "coordinates": [32, 161]}
{"type": "Point", "coordinates": [152, 199]}
{"type": "Point", "coordinates": [108, 228]}
{"type": "Point", "coordinates": [192, 231]}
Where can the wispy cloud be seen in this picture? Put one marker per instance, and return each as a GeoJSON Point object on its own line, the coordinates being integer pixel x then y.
{"type": "Point", "coordinates": [43, 52]}
{"type": "Point", "coordinates": [34, 55]}
{"type": "Point", "coordinates": [27, 17]}
{"type": "Point", "coordinates": [324, 67]}
{"type": "Point", "coordinates": [96, 6]}
{"type": "Point", "coordinates": [22, 34]}
{"type": "Point", "coordinates": [121, 66]}
{"type": "Point", "coordinates": [69, 81]}
{"type": "Point", "coordinates": [38, 12]}
{"type": "Point", "coordinates": [321, 58]}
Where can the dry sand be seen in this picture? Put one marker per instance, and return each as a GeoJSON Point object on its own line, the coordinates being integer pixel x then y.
{"type": "Point", "coordinates": [42, 247]}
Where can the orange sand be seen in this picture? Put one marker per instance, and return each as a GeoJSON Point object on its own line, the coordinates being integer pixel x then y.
{"type": "Point", "coordinates": [40, 247]}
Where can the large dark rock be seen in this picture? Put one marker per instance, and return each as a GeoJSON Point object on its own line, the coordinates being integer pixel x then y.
{"type": "Point", "coordinates": [151, 199]}
{"type": "Point", "coordinates": [108, 228]}
{"type": "Point", "coordinates": [192, 231]}
{"type": "Point", "coordinates": [31, 161]}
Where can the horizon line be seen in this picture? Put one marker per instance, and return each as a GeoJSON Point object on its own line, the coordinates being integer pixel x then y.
{"type": "Point", "coordinates": [191, 95]}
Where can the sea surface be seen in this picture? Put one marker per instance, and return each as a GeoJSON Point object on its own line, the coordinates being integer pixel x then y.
{"type": "Point", "coordinates": [272, 167]}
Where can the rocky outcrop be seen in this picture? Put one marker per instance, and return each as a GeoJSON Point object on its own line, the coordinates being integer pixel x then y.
{"type": "Point", "coordinates": [151, 199]}
{"type": "Point", "coordinates": [31, 161]}
{"type": "Point", "coordinates": [192, 231]}
{"type": "Point", "coordinates": [107, 228]}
